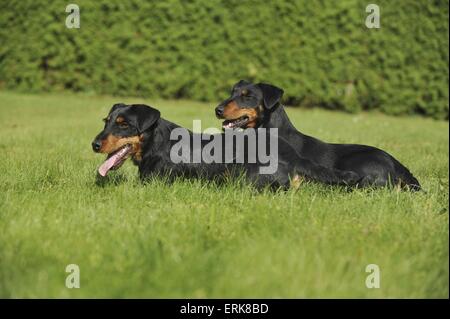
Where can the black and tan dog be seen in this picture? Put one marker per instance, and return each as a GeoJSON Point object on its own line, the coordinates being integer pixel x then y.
{"type": "Point", "coordinates": [138, 132]}
{"type": "Point", "coordinates": [258, 106]}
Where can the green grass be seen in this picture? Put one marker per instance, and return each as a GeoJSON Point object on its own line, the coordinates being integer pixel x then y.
{"type": "Point", "coordinates": [194, 239]}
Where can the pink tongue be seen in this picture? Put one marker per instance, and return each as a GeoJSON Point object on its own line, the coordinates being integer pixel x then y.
{"type": "Point", "coordinates": [110, 162]}
{"type": "Point", "coordinates": [106, 166]}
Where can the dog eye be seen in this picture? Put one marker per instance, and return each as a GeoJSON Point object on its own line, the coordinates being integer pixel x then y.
{"type": "Point", "coordinates": [123, 124]}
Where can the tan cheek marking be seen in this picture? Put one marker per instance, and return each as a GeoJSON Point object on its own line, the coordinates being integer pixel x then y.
{"type": "Point", "coordinates": [112, 143]}
{"type": "Point", "coordinates": [137, 149]}
{"type": "Point", "coordinates": [230, 110]}
{"type": "Point", "coordinates": [253, 115]}
{"type": "Point", "coordinates": [108, 144]}
{"type": "Point", "coordinates": [233, 111]}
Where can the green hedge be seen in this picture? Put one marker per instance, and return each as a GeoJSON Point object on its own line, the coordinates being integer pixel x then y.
{"type": "Point", "coordinates": [320, 52]}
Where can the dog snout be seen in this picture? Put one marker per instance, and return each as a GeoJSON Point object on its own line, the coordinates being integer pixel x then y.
{"type": "Point", "coordinates": [219, 111]}
{"type": "Point", "coordinates": [96, 145]}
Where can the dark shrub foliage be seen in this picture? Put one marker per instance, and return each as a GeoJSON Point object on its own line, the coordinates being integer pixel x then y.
{"type": "Point", "coordinates": [320, 52]}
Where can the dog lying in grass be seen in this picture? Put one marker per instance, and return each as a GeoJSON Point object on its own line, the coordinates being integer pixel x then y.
{"type": "Point", "coordinates": [138, 132]}
{"type": "Point", "coordinates": [258, 106]}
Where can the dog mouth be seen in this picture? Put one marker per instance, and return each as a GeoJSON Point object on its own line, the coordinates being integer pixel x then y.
{"type": "Point", "coordinates": [115, 159]}
{"type": "Point", "coordinates": [236, 123]}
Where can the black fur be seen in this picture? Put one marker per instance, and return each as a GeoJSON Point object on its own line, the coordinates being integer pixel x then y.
{"type": "Point", "coordinates": [156, 146]}
{"type": "Point", "coordinates": [375, 166]}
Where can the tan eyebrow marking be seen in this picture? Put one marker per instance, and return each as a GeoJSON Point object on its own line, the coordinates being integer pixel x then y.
{"type": "Point", "coordinates": [120, 119]}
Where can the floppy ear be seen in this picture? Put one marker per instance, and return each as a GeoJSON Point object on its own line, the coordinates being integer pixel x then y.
{"type": "Point", "coordinates": [143, 116]}
{"type": "Point", "coordinates": [271, 94]}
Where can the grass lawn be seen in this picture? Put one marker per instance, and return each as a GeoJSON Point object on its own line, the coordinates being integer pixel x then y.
{"type": "Point", "coordinates": [194, 239]}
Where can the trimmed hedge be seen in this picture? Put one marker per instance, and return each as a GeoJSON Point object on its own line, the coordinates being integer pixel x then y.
{"type": "Point", "coordinates": [320, 52]}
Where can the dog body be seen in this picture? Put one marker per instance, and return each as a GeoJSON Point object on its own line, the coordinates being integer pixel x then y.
{"type": "Point", "coordinates": [258, 105]}
{"type": "Point", "coordinates": [138, 131]}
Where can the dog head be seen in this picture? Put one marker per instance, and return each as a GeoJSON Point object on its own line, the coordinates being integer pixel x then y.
{"type": "Point", "coordinates": [123, 133]}
{"type": "Point", "coordinates": [247, 104]}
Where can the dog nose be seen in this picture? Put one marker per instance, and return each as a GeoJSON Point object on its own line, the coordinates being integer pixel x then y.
{"type": "Point", "coordinates": [219, 111]}
{"type": "Point", "coordinates": [96, 145]}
